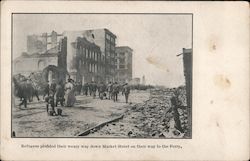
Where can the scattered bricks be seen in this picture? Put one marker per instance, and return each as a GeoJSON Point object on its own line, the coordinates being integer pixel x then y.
{"type": "Point", "coordinates": [141, 125]}
{"type": "Point", "coordinates": [154, 133]}
{"type": "Point", "coordinates": [133, 107]}
{"type": "Point", "coordinates": [158, 117]}
{"type": "Point", "coordinates": [176, 132]}
{"type": "Point", "coordinates": [161, 135]}
{"type": "Point", "coordinates": [129, 133]}
{"type": "Point", "coordinates": [180, 111]}
{"type": "Point", "coordinates": [181, 117]}
{"type": "Point", "coordinates": [161, 127]}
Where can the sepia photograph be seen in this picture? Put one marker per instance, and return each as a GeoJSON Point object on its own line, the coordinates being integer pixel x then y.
{"type": "Point", "coordinates": [102, 75]}
{"type": "Point", "coordinates": [124, 80]}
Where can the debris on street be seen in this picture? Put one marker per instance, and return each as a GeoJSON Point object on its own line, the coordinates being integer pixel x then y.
{"type": "Point", "coordinates": [158, 117]}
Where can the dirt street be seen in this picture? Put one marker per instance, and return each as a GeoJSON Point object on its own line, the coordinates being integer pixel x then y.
{"type": "Point", "coordinates": [87, 112]}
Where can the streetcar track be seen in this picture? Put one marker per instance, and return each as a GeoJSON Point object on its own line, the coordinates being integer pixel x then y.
{"type": "Point", "coordinates": [101, 125]}
{"type": "Point", "coordinates": [29, 114]}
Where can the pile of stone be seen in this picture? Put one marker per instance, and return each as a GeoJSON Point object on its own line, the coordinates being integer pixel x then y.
{"type": "Point", "coordinates": [158, 117]}
{"type": "Point", "coordinates": [155, 118]}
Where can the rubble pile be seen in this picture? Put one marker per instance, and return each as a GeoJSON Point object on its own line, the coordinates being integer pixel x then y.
{"type": "Point", "coordinates": [157, 117]}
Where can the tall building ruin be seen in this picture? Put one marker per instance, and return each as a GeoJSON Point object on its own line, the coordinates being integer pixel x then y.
{"type": "Point", "coordinates": [85, 56]}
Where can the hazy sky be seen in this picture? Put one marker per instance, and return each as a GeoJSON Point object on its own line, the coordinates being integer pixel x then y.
{"type": "Point", "coordinates": [156, 39]}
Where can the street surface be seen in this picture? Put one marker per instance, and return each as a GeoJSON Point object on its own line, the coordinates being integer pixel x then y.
{"type": "Point", "coordinates": [158, 117]}
{"type": "Point", "coordinates": [86, 113]}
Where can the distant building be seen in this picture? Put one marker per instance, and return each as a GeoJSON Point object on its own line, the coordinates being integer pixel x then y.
{"type": "Point", "coordinates": [135, 81]}
{"type": "Point", "coordinates": [123, 64]}
{"type": "Point", "coordinates": [103, 38]}
{"type": "Point", "coordinates": [143, 80]}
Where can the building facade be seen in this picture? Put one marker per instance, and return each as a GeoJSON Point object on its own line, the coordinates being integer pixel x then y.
{"type": "Point", "coordinates": [36, 62]}
{"type": "Point", "coordinates": [85, 56]}
{"type": "Point", "coordinates": [123, 64]}
{"type": "Point", "coordinates": [103, 38]}
{"type": "Point", "coordinates": [88, 62]}
{"type": "Point", "coordinates": [51, 63]}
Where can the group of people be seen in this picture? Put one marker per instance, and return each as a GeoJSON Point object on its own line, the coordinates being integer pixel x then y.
{"type": "Point", "coordinates": [55, 93]}
{"type": "Point", "coordinates": [105, 91]}
{"type": "Point", "coordinates": [64, 94]}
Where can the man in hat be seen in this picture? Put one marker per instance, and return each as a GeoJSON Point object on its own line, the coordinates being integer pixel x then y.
{"type": "Point", "coordinates": [86, 88]}
{"type": "Point", "coordinates": [59, 93]}
{"type": "Point", "coordinates": [102, 90]}
{"type": "Point", "coordinates": [50, 106]}
{"type": "Point", "coordinates": [110, 89]}
{"type": "Point", "coordinates": [126, 91]}
{"type": "Point", "coordinates": [94, 89]}
{"type": "Point", "coordinates": [115, 91]}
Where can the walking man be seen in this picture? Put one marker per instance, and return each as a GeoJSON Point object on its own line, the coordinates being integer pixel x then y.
{"type": "Point", "coordinates": [94, 88]}
{"type": "Point", "coordinates": [86, 88]}
{"type": "Point", "coordinates": [115, 91]}
{"type": "Point", "coordinates": [90, 88]}
{"type": "Point", "coordinates": [126, 91]}
{"type": "Point", "coordinates": [59, 93]}
{"type": "Point", "coordinates": [102, 89]}
{"type": "Point", "coordinates": [110, 89]}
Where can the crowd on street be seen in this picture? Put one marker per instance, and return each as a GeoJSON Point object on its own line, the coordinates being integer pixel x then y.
{"type": "Point", "coordinates": [65, 93]}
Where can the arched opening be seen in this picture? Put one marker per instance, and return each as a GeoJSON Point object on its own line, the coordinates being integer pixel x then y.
{"type": "Point", "coordinates": [53, 72]}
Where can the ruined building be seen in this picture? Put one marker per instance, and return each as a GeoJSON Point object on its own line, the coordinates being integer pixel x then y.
{"type": "Point", "coordinates": [123, 64]}
{"type": "Point", "coordinates": [85, 56]}
{"type": "Point", "coordinates": [87, 63]}
{"type": "Point", "coordinates": [106, 41]}
{"type": "Point", "coordinates": [41, 43]}
{"type": "Point", "coordinates": [51, 62]}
